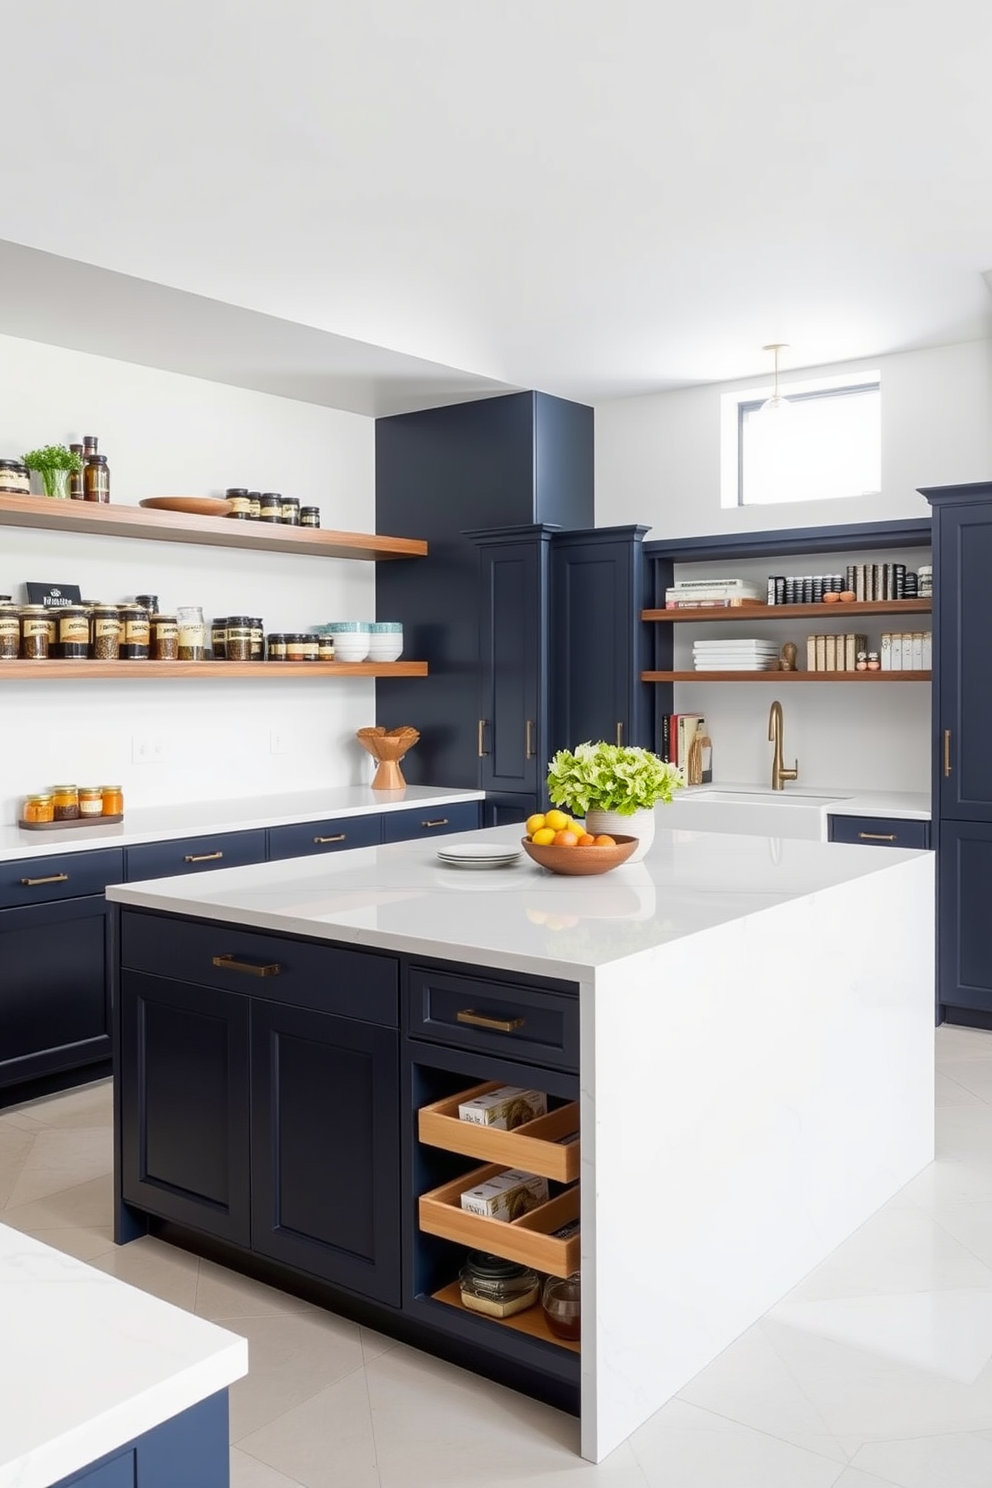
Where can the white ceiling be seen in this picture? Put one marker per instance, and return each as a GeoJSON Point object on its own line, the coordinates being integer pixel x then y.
{"type": "Point", "coordinates": [592, 197]}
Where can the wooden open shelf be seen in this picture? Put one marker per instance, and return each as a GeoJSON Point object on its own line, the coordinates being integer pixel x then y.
{"type": "Point", "coordinates": [534, 1146]}
{"type": "Point", "coordinates": [527, 1240]}
{"type": "Point", "coordinates": [777, 677]}
{"type": "Point", "coordinates": [532, 1322]}
{"type": "Point", "coordinates": [818, 611]}
{"type": "Point", "coordinates": [217, 671]}
{"type": "Point", "coordinates": [220, 532]}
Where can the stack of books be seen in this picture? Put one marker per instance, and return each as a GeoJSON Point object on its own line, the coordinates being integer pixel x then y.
{"type": "Point", "coordinates": [907, 651]}
{"type": "Point", "coordinates": [696, 594]}
{"type": "Point", "coordinates": [834, 653]}
{"type": "Point", "coordinates": [686, 743]}
{"type": "Point", "coordinates": [735, 656]}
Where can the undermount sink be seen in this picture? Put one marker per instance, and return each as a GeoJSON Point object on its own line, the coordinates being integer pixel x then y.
{"type": "Point", "coordinates": [777, 798]}
{"type": "Point", "coordinates": [760, 811]}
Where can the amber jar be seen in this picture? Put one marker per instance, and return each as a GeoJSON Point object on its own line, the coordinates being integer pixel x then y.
{"type": "Point", "coordinates": [90, 800]}
{"type": "Point", "coordinates": [276, 647]}
{"type": "Point", "coordinates": [77, 486]}
{"type": "Point", "coordinates": [65, 801]}
{"type": "Point", "coordinates": [112, 799]}
{"type": "Point", "coordinates": [218, 637]}
{"type": "Point", "coordinates": [38, 809]}
{"type": "Point", "coordinates": [74, 633]}
{"type": "Point", "coordinates": [239, 638]}
{"type": "Point", "coordinates": [10, 632]}
{"type": "Point", "coordinates": [35, 632]}
{"type": "Point", "coordinates": [165, 637]}
{"type": "Point", "coordinates": [106, 632]}
{"type": "Point", "coordinates": [135, 633]}
{"type": "Point", "coordinates": [96, 478]}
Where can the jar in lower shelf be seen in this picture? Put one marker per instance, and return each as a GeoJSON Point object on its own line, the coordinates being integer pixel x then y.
{"type": "Point", "coordinates": [238, 638]}
{"type": "Point", "coordinates": [496, 1287]}
{"type": "Point", "coordinates": [136, 633]}
{"type": "Point", "coordinates": [164, 638]}
{"type": "Point", "coordinates": [10, 632]}
{"type": "Point", "coordinates": [74, 633]}
{"type": "Point", "coordinates": [36, 626]}
{"type": "Point", "coordinates": [276, 646]}
{"type": "Point", "coordinates": [106, 632]}
{"type": "Point", "coordinates": [192, 633]}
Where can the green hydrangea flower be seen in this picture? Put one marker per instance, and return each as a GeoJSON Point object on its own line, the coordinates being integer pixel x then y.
{"type": "Point", "coordinates": [610, 777]}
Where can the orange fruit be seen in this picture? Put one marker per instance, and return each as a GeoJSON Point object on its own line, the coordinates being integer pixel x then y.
{"type": "Point", "coordinates": [586, 840]}
{"type": "Point", "coordinates": [544, 836]}
{"type": "Point", "coordinates": [557, 820]}
{"type": "Point", "coordinates": [565, 838]}
{"type": "Point", "coordinates": [535, 823]}
{"type": "Point", "coordinates": [605, 840]}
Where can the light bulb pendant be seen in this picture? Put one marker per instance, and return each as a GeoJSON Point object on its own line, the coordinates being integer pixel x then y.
{"type": "Point", "coordinates": [776, 403]}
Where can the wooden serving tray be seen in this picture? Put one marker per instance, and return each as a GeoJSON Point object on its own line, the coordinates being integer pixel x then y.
{"type": "Point", "coordinates": [62, 826]}
{"type": "Point", "coordinates": [528, 1240]}
{"type": "Point", "coordinates": [534, 1146]}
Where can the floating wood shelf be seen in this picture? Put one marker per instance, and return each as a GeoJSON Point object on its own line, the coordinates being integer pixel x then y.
{"type": "Point", "coordinates": [217, 671]}
{"type": "Point", "coordinates": [220, 532]}
{"type": "Point", "coordinates": [817, 611]}
{"type": "Point", "coordinates": [777, 677]}
{"type": "Point", "coordinates": [532, 1322]}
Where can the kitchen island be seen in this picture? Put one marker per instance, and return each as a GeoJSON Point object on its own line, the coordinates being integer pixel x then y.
{"type": "Point", "coordinates": [740, 1029]}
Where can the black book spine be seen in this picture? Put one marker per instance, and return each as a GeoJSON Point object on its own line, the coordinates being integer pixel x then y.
{"type": "Point", "coordinates": [666, 726]}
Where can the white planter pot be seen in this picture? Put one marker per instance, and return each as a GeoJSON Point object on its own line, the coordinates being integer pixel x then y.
{"type": "Point", "coordinates": [640, 825]}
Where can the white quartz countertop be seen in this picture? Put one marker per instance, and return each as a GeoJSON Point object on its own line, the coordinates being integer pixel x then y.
{"type": "Point", "coordinates": [521, 917]}
{"type": "Point", "coordinates": [202, 818]}
{"type": "Point", "coordinates": [843, 800]}
{"type": "Point", "coordinates": [88, 1363]}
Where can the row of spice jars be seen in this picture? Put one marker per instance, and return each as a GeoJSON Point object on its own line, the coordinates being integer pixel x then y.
{"type": "Point", "coordinates": [270, 506]}
{"type": "Point", "coordinates": [75, 632]}
{"type": "Point", "coordinates": [72, 802]}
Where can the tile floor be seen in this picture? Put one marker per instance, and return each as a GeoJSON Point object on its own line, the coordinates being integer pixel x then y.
{"type": "Point", "coordinates": [876, 1369]}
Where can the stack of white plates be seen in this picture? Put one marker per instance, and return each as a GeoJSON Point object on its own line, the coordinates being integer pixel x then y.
{"type": "Point", "coordinates": [477, 855]}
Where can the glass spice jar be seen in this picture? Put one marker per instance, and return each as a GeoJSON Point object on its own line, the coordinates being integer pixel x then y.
{"type": "Point", "coordinates": [74, 633]}
{"type": "Point", "coordinates": [77, 485]}
{"type": "Point", "coordinates": [294, 646]}
{"type": "Point", "coordinates": [311, 648]}
{"type": "Point", "coordinates": [325, 648]}
{"type": "Point", "coordinates": [38, 809]}
{"type": "Point", "coordinates": [90, 800]}
{"type": "Point", "coordinates": [276, 647]}
{"type": "Point", "coordinates": [136, 632]}
{"type": "Point", "coordinates": [112, 800]}
{"type": "Point", "coordinates": [218, 637]}
{"type": "Point", "coordinates": [10, 632]}
{"type": "Point", "coordinates": [65, 802]}
{"type": "Point", "coordinates": [164, 637]}
{"type": "Point", "coordinates": [309, 516]}
{"type": "Point", "coordinates": [239, 638]}
{"type": "Point", "coordinates": [107, 628]}
{"type": "Point", "coordinates": [96, 478]}
{"type": "Point", "coordinates": [192, 633]}
{"type": "Point", "coordinates": [290, 516]}
{"type": "Point", "coordinates": [499, 1288]}
{"type": "Point", "coordinates": [257, 639]}
{"type": "Point", "coordinates": [254, 505]}
{"type": "Point", "coordinates": [35, 631]}
{"type": "Point", "coordinates": [15, 479]}
{"type": "Point", "coordinates": [270, 506]}
{"type": "Point", "coordinates": [240, 503]}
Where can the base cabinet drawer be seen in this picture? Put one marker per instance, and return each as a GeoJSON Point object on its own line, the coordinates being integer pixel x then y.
{"type": "Point", "coordinates": [59, 876]}
{"type": "Point", "coordinates": [306, 839]}
{"type": "Point", "coordinates": [195, 854]}
{"type": "Point", "coordinates": [508, 1019]}
{"type": "Point", "coordinates": [880, 831]}
{"type": "Point", "coordinates": [430, 821]}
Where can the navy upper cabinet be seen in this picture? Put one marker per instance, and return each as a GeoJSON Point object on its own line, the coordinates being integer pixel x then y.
{"type": "Point", "coordinates": [598, 641]}
{"type": "Point", "coordinates": [512, 726]}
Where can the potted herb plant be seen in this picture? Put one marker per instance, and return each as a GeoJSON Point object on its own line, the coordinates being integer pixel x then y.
{"type": "Point", "coordinates": [54, 463]}
{"type": "Point", "coordinates": [615, 787]}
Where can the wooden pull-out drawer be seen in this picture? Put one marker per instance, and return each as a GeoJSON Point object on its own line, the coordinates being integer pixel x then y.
{"type": "Point", "coordinates": [536, 1146]}
{"type": "Point", "coordinates": [528, 1240]}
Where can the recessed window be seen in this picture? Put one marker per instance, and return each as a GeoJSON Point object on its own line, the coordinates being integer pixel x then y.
{"type": "Point", "coordinates": [825, 444]}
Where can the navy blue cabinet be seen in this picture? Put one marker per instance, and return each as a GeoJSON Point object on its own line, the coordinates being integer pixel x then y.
{"type": "Point", "coordinates": [306, 839]}
{"type": "Point", "coordinates": [964, 941]}
{"type": "Point", "coordinates": [195, 854]}
{"type": "Point", "coordinates": [432, 821]}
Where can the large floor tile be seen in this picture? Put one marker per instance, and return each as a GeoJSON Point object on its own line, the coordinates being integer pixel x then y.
{"type": "Point", "coordinates": [79, 1207]}
{"type": "Point", "coordinates": [971, 1075]}
{"type": "Point", "coordinates": [959, 1460]}
{"type": "Point", "coordinates": [970, 1225]}
{"type": "Point", "coordinates": [962, 1043]}
{"type": "Point", "coordinates": [326, 1442]}
{"type": "Point", "coordinates": [85, 1245]}
{"type": "Point", "coordinates": [223, 1294]}
{"type": "Point", "coordinates": [291, 1357]}
{"type": "Point", "coordinates": [675, 1454]}
{"type": "Point", "coordinates": [88, 1105]}
{"type": "Point", "coordinates": [59, 1159]}
{"type": "Point", "coordinates": [15, 1149]}
{"type": "Point", "coordinates": [949, 1091]}
{"type": "Point", "coordinates": [248, 1472]}
{"type": "Point", "coordinates": [374, 1344]}
{"type": "Point", "coordinates": [152, 1266]}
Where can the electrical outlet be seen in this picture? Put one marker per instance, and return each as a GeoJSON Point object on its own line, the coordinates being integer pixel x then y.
{"type": "Point", "coordinates": [147, 749]}
{"type": "Point", "coordinates": [278, 742]}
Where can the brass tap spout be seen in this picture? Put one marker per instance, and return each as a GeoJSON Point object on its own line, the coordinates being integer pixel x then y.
{"type": "Point", "coordinates": [780, 774]}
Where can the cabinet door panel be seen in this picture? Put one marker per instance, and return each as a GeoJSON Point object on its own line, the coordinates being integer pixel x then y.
{"type": "Point", "coordinates": [54, 1005]}
{"type": "Point", "coordinates": [325, 1147]}
{"type": "Point", "coordinates": [184, 1103]}
{"type": "Point", "coordinates": [306, 839]}
{"type": "Point", "coordinates": [432, 821]}
{"type": "Point", "coordinates": [964, 929]}
{"type": "Point", "coordinates": [59, 876]}
{"type": "Point", "coordinates": [195, 854]}
{"type": "Point", "coordinates": [513, 651]}
{"type": "Point", "coordinates": [964, 662]}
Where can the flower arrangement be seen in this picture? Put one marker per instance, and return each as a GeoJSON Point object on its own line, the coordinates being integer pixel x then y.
{"type": "Point", "coordinates": [611, 777]}
{"type": "Point", "coordinates": [53, 462]}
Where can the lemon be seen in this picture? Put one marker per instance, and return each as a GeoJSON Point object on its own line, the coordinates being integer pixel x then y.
{"type": "Point", "coordinates": [557, 821]}
{"type": "Point", "coordinates": [535, 823]}
{"type": "Point", "coordinates": [543, 836]}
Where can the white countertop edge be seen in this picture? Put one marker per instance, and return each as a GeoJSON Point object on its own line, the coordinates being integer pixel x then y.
{"type": "Point", "coordinates": [206, 818]}
{"type": "Point", "coordinates": [901, 805]}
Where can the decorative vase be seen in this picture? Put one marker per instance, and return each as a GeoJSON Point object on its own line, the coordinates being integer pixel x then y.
{"type": "Point", "coordinates": [640, 825]}
{"type": "Point", "coordinates": [56, 483]}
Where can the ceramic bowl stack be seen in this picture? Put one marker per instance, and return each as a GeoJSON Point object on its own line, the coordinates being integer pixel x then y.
{"type": "Point", "coordinates": [385, 640]}
{"type": "Point", "coordinates": [351, 639]}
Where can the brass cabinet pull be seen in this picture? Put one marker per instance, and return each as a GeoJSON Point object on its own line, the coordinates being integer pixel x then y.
{"type": "Point", "coordinates": [228, 963]}
{"type": "Point", "coordinates": [442, 821]}
{"type": "Point", "coordinates": [202, 857]}
{"type": "Point", "coordinates": [31, 883]}
{"type": "Point", "coordinates": [947, 752]}
{"type": "Point", "coordinates": [878, 836]}
{"type": "Point", "coordinates": [339, 838]}
{"type": "Point", "coordinates": [479, 1020]}
{"type": "Point", "coordinates": [482, 734]}
{"type": "Point", "coordinates": [619, 735]}
{"type": "Point", "coordinates": [529, 739]}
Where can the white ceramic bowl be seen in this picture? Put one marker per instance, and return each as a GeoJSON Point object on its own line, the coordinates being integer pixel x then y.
{"type": "Point", "coordinates": [351, 648]}
{"type": "Point", "coordinates": [385, 653]}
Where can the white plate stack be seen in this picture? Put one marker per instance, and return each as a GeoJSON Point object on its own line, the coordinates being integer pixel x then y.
{"type": "Point", "coordinates": [735, 655]}
{"type": "Point", "coordinates": [477, 855]}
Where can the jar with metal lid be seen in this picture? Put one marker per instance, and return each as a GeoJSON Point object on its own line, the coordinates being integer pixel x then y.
{"type": "Point", "coordinates": [311, 648]}
{"type": "Point", "coordinates": [290, 516]}
{"type": "Point", "coordinates": [15, 480]}
{"type": "Point", "coordinates": [112, 798]}
{"type": "Point", "coordinates": [136, 633]}
{"type": "Point", "coordinates": [276, 647]}
{"type": "Point", "coordinates": [106, 634]}
{"type": "Point", "coordinates": [497, 1287]}
{"type": "Point", "coordinates": [257, 639]}
{"type": "Point", "coordinates": [96, 478]}
{"type": "Point", "coordinates": [10, 632]}
{"type": "Point", "coordinates": [270, 506]}
{"type": "Point", "coordinates": [192, 633]}
{"type": "Point", "coordinates": [218, 637]}
{"type": "Point", "coordinates": [325, 648]}
{"type": "Point", "coordinates": [65, 802]}
{"type": "Point", "coordinates": [254, 505]}
{"type": "Point", "coordinates": [240, 502]}
{"type": "Point", "coordinates": [38, 809]}
{"type": "Point", "coordinates": [147, 602]}
{"type": "Point", "coordinates": [309, 516]}
{"type": "Point", "coordinates": [239, 638]}
{"type": "Point", "coordinates": [74, 633]}
{"type": "Point", "coordinates": [294, 646]}
{"type": "Point", "coordinates": [90, 800]}
{"type": "Point", "coordinates": [164, 637]}
{"type": "Point", "coordinates": [35, 632]}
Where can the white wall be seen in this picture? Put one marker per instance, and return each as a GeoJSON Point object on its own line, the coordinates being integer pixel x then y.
{"type": "Point", "coordinates": [658, 462]}
{"type": "Point", "coordinates": [166, 434]}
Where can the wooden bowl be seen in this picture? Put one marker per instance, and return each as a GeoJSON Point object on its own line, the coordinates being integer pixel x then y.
{"type": "Point", "coordinates": [580, 861]}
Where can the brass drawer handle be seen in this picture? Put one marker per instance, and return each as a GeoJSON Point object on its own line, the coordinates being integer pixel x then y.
{"type": "Point", "coordinates": [619, 735]}
{"type": "Point", "coordinates": [529, 741]}
{"type": "Point", "coordinates": [202, 857]}
{"type": "Point", "coordinates": [482, 734]}
{"type": "Point", "coordinates": [479, 1020]}
{"type": "Point", "coordinates": [339, 838]}
{"type": "Point", "coordinates": [947, 752]}
{"type": "Point", "coordinates": [31, 883]}
{"type": "Point", "coordinates": [228, 963]}
{"type": "Point", "coordinates": [442, 821]}
{"type": "Point", "coordinates": [878, 836]}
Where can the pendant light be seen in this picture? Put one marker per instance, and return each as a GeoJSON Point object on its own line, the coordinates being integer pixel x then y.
{"type": "Point", "coordinates": [776, 403]}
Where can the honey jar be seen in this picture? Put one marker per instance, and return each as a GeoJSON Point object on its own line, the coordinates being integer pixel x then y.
{"type": "Point", "coordinates": [65, 802]}
{"type": "Point", "coordinates": [90, 800]}
{"type": "Point", "coordinates": [112, 800]}
{"type": "Point", "coordinates": [38, 809]}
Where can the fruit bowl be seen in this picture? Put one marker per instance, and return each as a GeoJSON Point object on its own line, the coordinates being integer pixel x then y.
{"type": "Point", "coordinates": [580, 861]}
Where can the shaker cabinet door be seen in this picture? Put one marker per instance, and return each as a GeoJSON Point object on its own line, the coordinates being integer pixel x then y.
{"type": "Point", "coordinates": [964, 927]}
{"type": "Point", "coordinates": [513, 635]}
{"type": "Point", "coordinates": [963, 700]}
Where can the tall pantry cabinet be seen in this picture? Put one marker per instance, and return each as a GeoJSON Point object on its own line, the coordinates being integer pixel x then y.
{"type": "Point", "coordinates": [962, 722]}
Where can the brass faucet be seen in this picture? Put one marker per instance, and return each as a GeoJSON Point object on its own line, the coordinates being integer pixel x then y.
{"type": "Point", "coordinates": [775, 728]}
